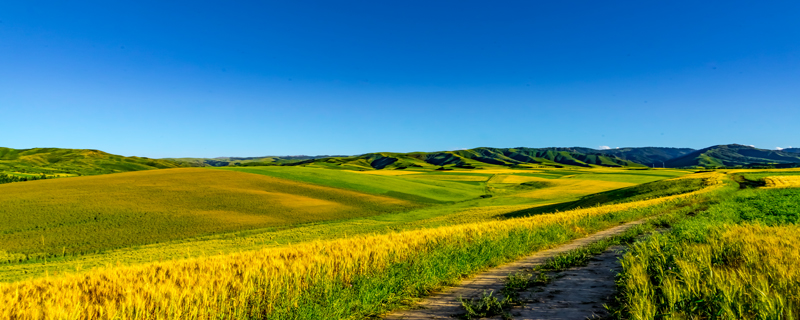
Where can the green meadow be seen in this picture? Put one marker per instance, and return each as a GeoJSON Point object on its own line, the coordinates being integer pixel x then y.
{"type": "Point", "coordinates": [145, 216]}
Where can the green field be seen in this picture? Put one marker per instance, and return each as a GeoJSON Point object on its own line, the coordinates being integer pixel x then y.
{"type": "Point", "coordinates": [429, 191]}
{"type": "Point", "coordinates": [83, 215]}
{"type": "Point", "coordinates": [151, 215]}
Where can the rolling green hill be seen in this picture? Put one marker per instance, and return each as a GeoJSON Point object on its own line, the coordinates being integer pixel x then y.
{"type": "Point", "coordinates": [246, 161]}
{"type": "Point", "coordinates": [74, 162]}
{"type": "Point", "coordinates": [733, 155]}
{"type": "Point", "coordinates": [650, 156]}
{"type": "Point", "coordinates": [471, 158]}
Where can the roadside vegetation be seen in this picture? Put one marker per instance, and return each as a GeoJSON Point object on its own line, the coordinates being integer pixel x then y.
{"type": "Point", "coordinates": [736, 260]}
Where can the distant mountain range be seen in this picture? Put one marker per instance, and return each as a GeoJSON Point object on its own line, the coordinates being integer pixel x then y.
{"type": "Point", "coordinates": [86, 162]}
{"type": "Point", "coordinates": [232, 161]}
{"type": "Point", "coordinates": [716, 156]}
{"type": "Point", "coordinates": [650, 156]}
{"type": "Point", "coordinates": [734, 155]}
{"type": "Point", "coordinates": [475, 158]}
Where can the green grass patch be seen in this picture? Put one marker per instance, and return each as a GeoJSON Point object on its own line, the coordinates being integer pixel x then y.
{"type": "Point", "coordinates": [75, 216]}
{"type": "Point", "coordinates": [419, 190]}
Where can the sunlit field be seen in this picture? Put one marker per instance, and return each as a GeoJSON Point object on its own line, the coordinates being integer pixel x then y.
{"type": "Point", "coordinates": [237, 211]}
{"type": "Point", "coordinates": [329, 278]}
{"type": "Point", "coordinates": [367, 247]}
{"type": "Point", "coordinates": [83, 215]}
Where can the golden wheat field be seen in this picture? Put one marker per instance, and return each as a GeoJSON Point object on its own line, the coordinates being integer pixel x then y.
{"type": "Point", "coordinates": [782, 182]}
{"type": "Point", "coordinates": [256, 282]}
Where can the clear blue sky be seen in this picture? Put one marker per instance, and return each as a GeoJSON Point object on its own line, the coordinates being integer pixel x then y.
{"type": "Point", "coordinates": [207, 79]}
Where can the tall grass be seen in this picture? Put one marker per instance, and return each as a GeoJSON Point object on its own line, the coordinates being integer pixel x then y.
{"type": "Point", "coordinates": [748, 272]}
{"type": "Point", "coordinates": [737, 260]}
{"type": "Point", "coordinates": [347, 278]}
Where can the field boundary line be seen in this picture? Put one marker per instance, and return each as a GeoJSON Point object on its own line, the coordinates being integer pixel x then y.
{"type": "Point", "coordinates": [444, 304]}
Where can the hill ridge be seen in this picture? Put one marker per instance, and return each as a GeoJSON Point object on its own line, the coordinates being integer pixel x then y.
{"type": "Point", "coordinates": [731, 155]}
{"type": "Point", "coordinates": [475, 158]}
{"type": "Point", "coordinates": [74, 161]}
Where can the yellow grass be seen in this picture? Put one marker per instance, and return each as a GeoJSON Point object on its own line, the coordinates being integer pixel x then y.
{"type": "Point", "coordinates": [476, 214]}
{"type": "Point", "coordinates": [783, 182]}
{"type": "Point", "coordinates": [751, 269]}
{"type": "Point", "coordinates": [449, 177]}
{"type": "Point", "coordinates": [572, 188]}
{"type": "Point", "coordinates": [226, 286]}
{"type": "Point", "coordinates": [496, 171]}
{"type": "Point", "coordinates": [385, 172]}
{"type": "Point", "coordinates": [759, 170]}
{"type": "Point", "coordinates": [518, 179]}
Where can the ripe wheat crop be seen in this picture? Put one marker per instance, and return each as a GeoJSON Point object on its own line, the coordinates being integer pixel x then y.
{"type": "Point", "coordinates": [782, 182]}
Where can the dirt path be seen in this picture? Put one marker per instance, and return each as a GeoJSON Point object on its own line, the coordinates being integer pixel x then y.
{"type": "Point", "coordinates": [445, 305]}
{"type": "Point", "coordinates": [576, 293]}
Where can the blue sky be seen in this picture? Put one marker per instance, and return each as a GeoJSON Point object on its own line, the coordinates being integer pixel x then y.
{"type": "Point", "coordinates": [207, 79]}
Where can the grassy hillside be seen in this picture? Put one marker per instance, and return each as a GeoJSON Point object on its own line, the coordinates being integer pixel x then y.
{"type": "Point", "coordinates": [231, 161]}
{"type": "Point", "coordinates": [650, 156]}
{"type": "Point", "coordinates": [53, 161]}
{"type": "Point", "coordinates": [427, 191]}
{"type": "Point", "coordinates": [85, 214]}
{"type": "Point", "coordinates": [732, 155]}
{"type": "Point", "coordinates": [470, 159]}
